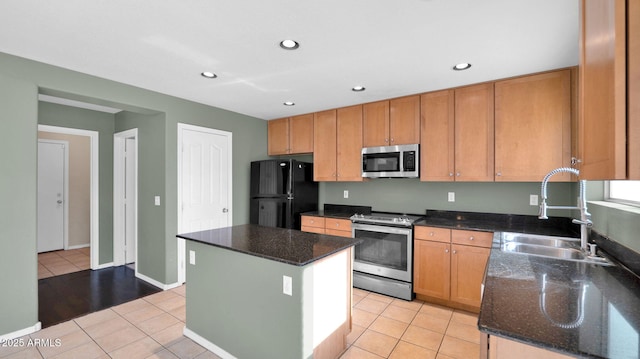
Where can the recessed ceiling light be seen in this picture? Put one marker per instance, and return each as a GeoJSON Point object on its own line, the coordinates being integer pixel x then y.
{"type": "Point", "coordinates": [209, 75]}
{"type": "Point", "coordinates": [289, 44]}
{"type": "Point", "coordinates": [358, 88]}
{"type": "Point", "coordinates": [289, 103]}
{"type": "Point", "coordinates": [462, 66]}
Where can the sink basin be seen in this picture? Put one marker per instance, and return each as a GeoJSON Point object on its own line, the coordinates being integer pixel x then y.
{"type": "Point", "coordinates": [544, 251]}
{"type": "Point", "coordinates": [550, 247]}
{"type": "Point", "coordinates": [549, 241]}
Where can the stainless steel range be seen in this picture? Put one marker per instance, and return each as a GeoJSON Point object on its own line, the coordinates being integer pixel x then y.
{"type": "Point", "coordinates": [384, 260]}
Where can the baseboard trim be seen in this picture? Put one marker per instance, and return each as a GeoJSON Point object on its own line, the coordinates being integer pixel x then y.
{"type": "Point", "coordinates": [103, 266]}
{"type": "Point", "coordinates": [78, 246]}
{"type": "Point", "coordinates": [207, 344]}
{"type": "Point", "coordinates": [155, 283]}
{"type": "Point", "coordinates": [22, 332]}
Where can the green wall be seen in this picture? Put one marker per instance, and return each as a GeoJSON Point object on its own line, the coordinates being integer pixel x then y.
{"type": "Point", "coordinates": [20, 82]}
{"type": "Point", "coordinates": [412, 196]}
{"type": "Point", "coordinates": [251, 303]}
{"type": "Point", "coordinates": [18, 151]}
{"type": "Point", "coordinates": [151, 165]}
{"type": "Point", "coordinates": [72, 117]}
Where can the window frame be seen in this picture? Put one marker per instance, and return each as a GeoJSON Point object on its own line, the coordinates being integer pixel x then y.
{"type": "Point", "coordinates": [608, 198]}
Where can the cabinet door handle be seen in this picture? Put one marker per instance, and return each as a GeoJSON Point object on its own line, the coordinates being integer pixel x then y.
{"type": "Point", "coordinates": [499, 174]}
{"type": "Point", "coordinates": [457, 174]}
{"type": "Point", "coordinates": [446, 251]}
{"type": "Point", "coordinates": [450, 174]}
{"type": "Point", "coordinates": [386, 140]}
{"type": "Point", "coordinates": [392, 140]}
{"type": "Point", "coordinates": [454, 251]}
{"type": "Point", "coordinates": [431, 234]}
{"type": "Point", "coordinates": [471, 238]}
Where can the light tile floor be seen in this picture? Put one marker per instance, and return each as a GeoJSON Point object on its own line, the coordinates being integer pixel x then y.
{"type": "Point", "coordinates": [385, 327]}
{"type": "Point", "coordinates": [63, 262]}
{"type": "Point", "coordinates": [151, 327]}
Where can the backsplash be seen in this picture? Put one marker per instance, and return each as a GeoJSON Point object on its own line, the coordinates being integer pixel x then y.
{"type": "Point", "coordinates": [413, 196]}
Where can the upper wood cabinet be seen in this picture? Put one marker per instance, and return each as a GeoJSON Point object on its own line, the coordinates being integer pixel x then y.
{"type": "Point", "coordinates": [324, 146]}
{"type": "Point", "coordinates": [349, 144]}
{"type": "Point", "coordinates": [291, 135]}
{"type": "Point", "coordinates": [458, 134]}
{"type": "Point", "coordinates": [609, 139]}
{"type": "Point", "coordinates": [633, 90]}
{"type": "Point", "coordinates": [338, 144]}
{"type": "Point", "coordinates": [533, 126]}
{"type": "Point", "coordinates": [393, 122]}
{"type": "Point", "coordinates": [474, 133]}
{"type": "Point", "coordinates": [437, 159]}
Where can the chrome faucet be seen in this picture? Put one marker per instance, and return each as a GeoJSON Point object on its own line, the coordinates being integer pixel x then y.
{"type": "Point", "coordinates": [585, 216]}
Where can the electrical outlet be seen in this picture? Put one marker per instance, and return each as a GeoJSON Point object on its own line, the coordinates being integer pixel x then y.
{"type": "Point", "coordinates": [533, 199]}
{"type": "Point", "coordinates": [156, 200]}
{"type": "Point", "coordinates": [346, 194]}
{"type": "Point", "coordinates": [451, 196]}
{"type": "Point", "coordinates": [192, 257]}
{"type": "Point", "coordinates": [287, 285]}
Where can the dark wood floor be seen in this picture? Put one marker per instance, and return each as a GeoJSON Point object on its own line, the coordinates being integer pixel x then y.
{"type": "Point", "coordinates": [72, 295]}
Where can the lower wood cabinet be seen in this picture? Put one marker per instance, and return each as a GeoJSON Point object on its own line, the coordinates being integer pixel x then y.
{"type": "Point", "coordinates": [326, 225]}
{"type": "Point", "coordinates": [449, 264]}
{"type": "Point", "coordinates": [502, 348]}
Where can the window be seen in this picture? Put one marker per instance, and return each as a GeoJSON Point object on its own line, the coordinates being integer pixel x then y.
{"type": "Point", "coordinates": [625, 192]}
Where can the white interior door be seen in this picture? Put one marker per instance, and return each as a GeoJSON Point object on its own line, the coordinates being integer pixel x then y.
{"type": "Point", "coordinates": [125, 197]}
{"type": "Point", "coordinates": [130, 200]}
{"type": "Point", "coordinates": [51, 195]}
{"type": "Point", "coordinates": [204, 180]}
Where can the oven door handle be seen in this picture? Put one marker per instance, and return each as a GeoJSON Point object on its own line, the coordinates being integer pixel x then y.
{"type": "Point", "coordinates": [380, 228]}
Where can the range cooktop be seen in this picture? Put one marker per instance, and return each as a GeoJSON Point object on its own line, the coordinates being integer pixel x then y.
{"type": "Point", "coordinates": [385, 218]}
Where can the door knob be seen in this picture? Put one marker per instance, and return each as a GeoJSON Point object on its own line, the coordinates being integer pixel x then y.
{"type": "Point", "coordinates": [59, 201]}
{"type": "Point", "coordinates": [225, 210]}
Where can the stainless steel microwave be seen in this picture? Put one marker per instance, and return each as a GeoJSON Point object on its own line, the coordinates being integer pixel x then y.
{"type": "Point", "coordinates": [401, 161]}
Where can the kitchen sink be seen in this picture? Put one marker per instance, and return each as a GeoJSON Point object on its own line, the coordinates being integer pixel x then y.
{"type": "Point", "coordinates": [563, 248]}
{"type": "Point", "coordinates": [549, 241]}
{"type": "Point", "coordinates": [544, 251]}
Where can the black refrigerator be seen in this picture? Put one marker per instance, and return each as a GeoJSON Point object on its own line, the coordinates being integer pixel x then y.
{"type": "Point", "coordinates": [280, 191]}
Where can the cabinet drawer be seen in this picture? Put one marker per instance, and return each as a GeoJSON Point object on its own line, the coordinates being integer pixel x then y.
{"type": "Point", "coordinates": [339, 233]}
{"type": "Point", "coordinates": [432, 234]}
{"type": "Point", "coordinates": [310, 221]}
{"type": "Point", "coordinates": [312, 229]}
{"type": "Point", "coordinates": [472, 238]}
{"type": "Point", "coordinates": [337, 224]}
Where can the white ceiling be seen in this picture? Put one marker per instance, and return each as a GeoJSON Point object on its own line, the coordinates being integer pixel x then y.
{"type": "Point", "coordinates": [392, 47]}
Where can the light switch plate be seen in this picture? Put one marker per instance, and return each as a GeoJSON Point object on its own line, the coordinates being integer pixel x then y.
{"type": "Point", "coordinates": [287, 285]}
{"type": "Point", "coordinates": [156, 200]}
{"type": "Point", "coordinates": [451, 196]}
{"type": "Point", "coordinates": [346, 193]}
{"type": "Point", "coordinates": [533, 199]}
{"type": "Point", "coordinates": [192, 257]}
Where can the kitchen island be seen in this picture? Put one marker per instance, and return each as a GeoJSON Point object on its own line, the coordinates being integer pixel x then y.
{"type": "Point", "coordinates": [262, 292]}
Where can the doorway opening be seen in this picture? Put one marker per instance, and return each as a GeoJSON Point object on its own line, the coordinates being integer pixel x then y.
{"type": "Point", "coordinates": [80, 248]}
{"type": "Point", "coordinates": [125, 198]}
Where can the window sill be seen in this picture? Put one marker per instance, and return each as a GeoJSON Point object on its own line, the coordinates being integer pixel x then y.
{"type": "Point", "coordinates": [618, 206]}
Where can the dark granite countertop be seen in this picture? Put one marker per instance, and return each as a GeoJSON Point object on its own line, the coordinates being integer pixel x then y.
{"type": "Point", "coordinates": [283, 245]}
{"type": "Point", "coordinates": [339, 211]}
{"type": "Point", "coordinates": [495, 222]}
{"type": "Point", "coordinates": [575, 308]}
{"type": "Point", "coordinates": [329, 214]}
